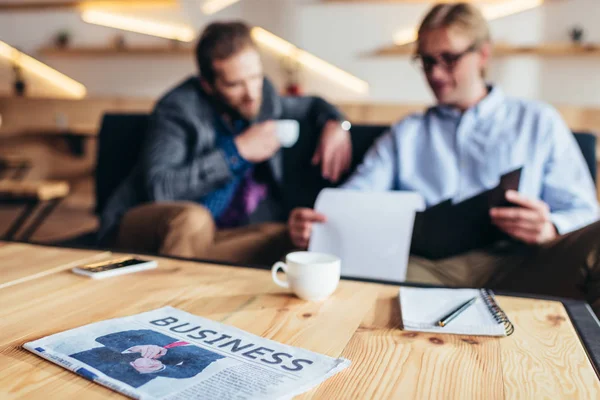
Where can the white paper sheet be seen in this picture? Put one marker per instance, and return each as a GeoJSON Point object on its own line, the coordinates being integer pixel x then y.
{"type": "Point", "coordinates": [369, 231]}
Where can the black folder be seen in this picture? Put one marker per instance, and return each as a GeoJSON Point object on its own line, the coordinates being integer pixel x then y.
{"type": "Point", "coordinates": [447, 229]}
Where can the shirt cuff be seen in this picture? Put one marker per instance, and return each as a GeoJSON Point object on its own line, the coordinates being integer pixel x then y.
{"type": "Point", "coordinates": [569, 221]}
{"type": "Point", "coordinates": [563, 223]}
{"type": "Point", "coordinates": [236, 162]}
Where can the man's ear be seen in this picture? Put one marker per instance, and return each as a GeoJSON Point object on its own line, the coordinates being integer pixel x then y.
{"type": "Point", "coordinates": [486, 53]}
{"type": "Point", "coordinates": [206, 86]}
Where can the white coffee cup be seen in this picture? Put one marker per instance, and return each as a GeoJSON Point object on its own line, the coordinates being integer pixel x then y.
{"type": "Point", "coordinates": [311, 276]}
{"type": "Point", "coordinates": [287, 131]}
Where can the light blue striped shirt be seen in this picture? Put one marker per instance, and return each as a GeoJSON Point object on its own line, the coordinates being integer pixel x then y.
{"type": "Point", "coordinates": [446, 154]}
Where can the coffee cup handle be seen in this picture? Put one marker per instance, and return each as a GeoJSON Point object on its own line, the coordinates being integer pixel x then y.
{"type": "Point", "coordinates": [274, 270]}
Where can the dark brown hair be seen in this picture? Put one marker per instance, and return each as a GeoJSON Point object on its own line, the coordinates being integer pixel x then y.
{"type": "Point", "coordinates": [219, 41]}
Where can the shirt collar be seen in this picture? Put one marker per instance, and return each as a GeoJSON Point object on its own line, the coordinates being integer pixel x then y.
{"type": "Point", "coordinates": [483, 109]}
{"type": "Point", "coordinates": [490, 103]}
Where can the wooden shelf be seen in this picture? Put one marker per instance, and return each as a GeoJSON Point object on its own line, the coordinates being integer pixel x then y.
{"type": "Point", "coordinates": [550, 50]}
{"type": "Point", "coordinates": [49, 5]}
{"type": "Point", "coordinates": [502, 49]}
{"type": "Point", "coordinates": [114, 51]}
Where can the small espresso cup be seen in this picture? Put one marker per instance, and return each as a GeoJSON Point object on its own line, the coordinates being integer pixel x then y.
{"type": "Point", "coordinates": [311, 276]}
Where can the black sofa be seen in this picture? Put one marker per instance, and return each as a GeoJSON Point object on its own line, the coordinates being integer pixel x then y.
{"type": "Point", "coordinates": [121, 136]}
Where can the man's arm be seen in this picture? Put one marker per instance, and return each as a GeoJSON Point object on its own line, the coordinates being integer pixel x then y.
{"type": "Point", "coordinates": [334, 148]}
{"type": "Point", "coordinates": [568, 188]}
{"type": "Point", "coordinates": [171, 172]}
{"type": "Point", "coordinates": [379, 168]}
{"type": "Point", "coordinates": [568, 199]}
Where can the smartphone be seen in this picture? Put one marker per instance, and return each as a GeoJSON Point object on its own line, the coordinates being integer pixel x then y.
{"type": "Point", "coordinates": [113, 267]}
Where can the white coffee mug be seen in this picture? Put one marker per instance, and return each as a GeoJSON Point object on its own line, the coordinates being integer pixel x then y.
{"type": "Point", "coordinates": [311, 276]}
{"type": "Point", "coordinates": [287, 131]}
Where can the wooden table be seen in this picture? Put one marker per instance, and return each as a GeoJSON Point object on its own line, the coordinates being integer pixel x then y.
{"type": "Point", "coordinates": [20, 262]}
{"type": "Point", "coordinates": [543, 359]}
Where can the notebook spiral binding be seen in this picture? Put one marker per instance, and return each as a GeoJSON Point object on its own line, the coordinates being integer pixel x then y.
{"type": "Point", "coordinates": [496, 311]}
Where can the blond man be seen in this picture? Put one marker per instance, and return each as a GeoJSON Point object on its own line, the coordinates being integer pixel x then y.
{"type": "Point", "coordinates": [462, 146]}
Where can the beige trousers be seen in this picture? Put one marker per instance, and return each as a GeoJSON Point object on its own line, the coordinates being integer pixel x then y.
{"type": "Point", "coordinates": [568, 267]}
{"type": "Point", "coordinates": [186, 229]}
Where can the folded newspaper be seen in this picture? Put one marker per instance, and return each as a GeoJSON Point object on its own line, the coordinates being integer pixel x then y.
{"type": "Point", "coordinates": [171, 354]}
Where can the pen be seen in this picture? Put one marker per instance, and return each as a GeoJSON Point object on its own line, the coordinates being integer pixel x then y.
{"type": "Point", "coordinates": [455, 313]}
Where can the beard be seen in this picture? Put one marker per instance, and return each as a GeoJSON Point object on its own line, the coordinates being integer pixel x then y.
{"type": "Point", "coordinates": [236, 111]}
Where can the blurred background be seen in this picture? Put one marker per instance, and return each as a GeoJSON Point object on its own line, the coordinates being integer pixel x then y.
{"type": "Point", "coordinates": [63, 64]}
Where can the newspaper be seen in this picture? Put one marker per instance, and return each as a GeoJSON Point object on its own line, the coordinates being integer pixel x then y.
{"type": "Point", "coordinates": [171, 354]}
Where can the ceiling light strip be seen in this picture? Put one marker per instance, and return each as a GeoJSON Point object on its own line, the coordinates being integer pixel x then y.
{"type": "Point", "coordinates": [284, 48]}
{"type": "Point", "coordinates": [52, 76]}
{"type": "Point", "coordinates": [179, 32]}
{"type": "Point", "coordinates": [214, 6]}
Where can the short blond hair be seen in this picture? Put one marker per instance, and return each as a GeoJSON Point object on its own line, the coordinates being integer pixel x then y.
{"type": "Point", "coordinates": [463, 16]}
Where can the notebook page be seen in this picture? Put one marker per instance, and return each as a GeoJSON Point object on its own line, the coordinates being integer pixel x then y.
{"type": "Point", "coordinates": [422, 308]}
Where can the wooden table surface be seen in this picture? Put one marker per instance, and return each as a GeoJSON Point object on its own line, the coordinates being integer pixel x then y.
{"type": "Point", "coordinates": [542, 359]}
{"type": "Point", "coordinates": [20, 262]}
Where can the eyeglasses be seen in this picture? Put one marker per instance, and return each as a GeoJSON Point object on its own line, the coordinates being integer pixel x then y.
{"type": "Point", "coordinates": [446, 60]}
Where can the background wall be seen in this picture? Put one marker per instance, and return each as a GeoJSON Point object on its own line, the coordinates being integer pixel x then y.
{"type": "Point", "coordinates": [342, 34]}
{"type": "Point", "coordinates": [357, 29]}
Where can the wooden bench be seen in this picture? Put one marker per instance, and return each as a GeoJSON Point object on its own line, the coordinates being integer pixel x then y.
{"type": "Point", "coordinates": [40, 198]}
{"type": "Point", "coordinates": [15, 164]}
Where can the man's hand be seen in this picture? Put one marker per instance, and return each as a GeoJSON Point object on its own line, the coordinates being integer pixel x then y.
{"type": "Point", "coordinates": [146, 365]}
{"type": "Point", "coordinates": [258, 143]}
{"type": "Point", "coordinates": [148, 351]}
{"type": "Point", "coordinates": [334, 151]}
{"type": "Point", "coordinates": [300, 225]}
{"type": "Point", "coordinates": [529, 222]}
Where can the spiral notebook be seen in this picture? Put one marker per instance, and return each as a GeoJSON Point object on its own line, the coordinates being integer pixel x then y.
{"type": "Point", "coordinates": [422, 308]}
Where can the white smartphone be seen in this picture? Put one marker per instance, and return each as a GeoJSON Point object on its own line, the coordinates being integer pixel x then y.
{"type": "Point", "coordinates": [114, 267]}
